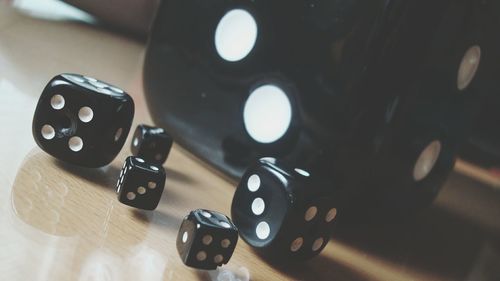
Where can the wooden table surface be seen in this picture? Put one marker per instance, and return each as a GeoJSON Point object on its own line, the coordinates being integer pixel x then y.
{"type": "Point", "coordinates": [58, 222]}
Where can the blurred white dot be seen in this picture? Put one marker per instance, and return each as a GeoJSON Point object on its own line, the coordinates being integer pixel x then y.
{"type": "Point", "coordinates": [86, 114]}
{"type": "Point", "coordinates": [141, 190]}
{"type": "Point", "coordinates": [57, 102]}
{"type": "Point", "coordinates": [207, 239]}
{"type": "Point", "coordinates": [225, 243]}
{"type": "Point", "coordinates": [258, 206]}
{"type": "Point", "coordinates": [90, 79]}
{"type": "Point", "coordinates": [263, 230]}
{"type": "Point", "coordinates": [297, 244]}
{"type": "Point", "coordinates": [75, 144]}
{"type": "Point", "coordinates": [201, 255]}
{"type": "Point", "coordinates": [235, 35]}
{"type": "Point", "coordinates": [468, 67]}
{"type": "Point", "coordinates": [317, 244]}
{"type": "Point", "coordinates": [331, 215]}
{"type": "Point", "coordinates": [427, 160]}
{"type": "Point", "coordinates": [184, 237]}
{"type": "Point", "coordinates": [218, 258]}
{"type": "Point", "coordinates": [225, 224]}
{"type": "Point", "coordinates": [130, 196]}
{"type": "Point", "coordinates": [118, 134]}
{"type": "Point", "coordinates": [99, 84]}
{"type": "Point", "coordinates": [48, 132]}
{"type": "Point", "coordinates": [302, 172]}
{"type": "Point", "coordinates": [206, 214]}
{"type": "Point", "coordinates": [311, 213]}
{"type": "Point", "coordinates": [267, 114]}
{"type": "Point", "coordinates": [118, 90]}
{"type": "Point", "coordinates": [253, 183]}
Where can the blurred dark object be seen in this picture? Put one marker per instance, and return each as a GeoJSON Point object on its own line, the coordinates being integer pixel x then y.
{"type": "Point", "coordinates": [483, 146]}
{"type": "Point", "coordinates": [369, 94]}
{"type": "Point", "coordinates": [133, 16]}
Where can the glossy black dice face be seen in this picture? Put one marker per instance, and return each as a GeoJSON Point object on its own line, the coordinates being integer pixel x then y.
{"type": "Point", "coordinates": [81, 120]}
{"type": "Point", "coordinates": [206, 239]}
{"type": "Point", "coordinates": [280, 212]}
{"type": "Point", "coordinates": [151, 144]}
{"type": "Point", "coordinates": [140, 184]}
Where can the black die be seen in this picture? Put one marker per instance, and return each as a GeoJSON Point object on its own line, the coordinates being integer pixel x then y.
{"type": "Point", "coordinates": [206, 239]}
{"type": "Point", "coordinates": [151, 143]}
{"type": "Point", "coordinates": [82, 121]}
{"type": "Point", "coordinates": [140, 184]}
{"type": "Point", "coordinates": [282, 212]}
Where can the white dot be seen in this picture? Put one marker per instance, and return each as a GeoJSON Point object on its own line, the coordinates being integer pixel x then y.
{"type": "Point", "coordinates": [57, 102]}
{"type": "Point", "coordinates": [184, 237]}
{"type": "Point", "coordinates": [225, 224]}
{"type": "Point", "coordinates": [90, 79]}
{"type": "Point", "coordinates": [118, 134]}
{"type": "Point", "coordinates": [86, 114]}
{"type": "Point", "coordinates": [154, 168]}
{"type": "Point", "coordinates": [207, 239]}
{"type": "Point", "coordinates": [225, 243]}
{"type": "Point", "coordinates": [136, 141]}
{"type": "Point", "coordinates": [218, 258]}
{"type": "Point", "coordinates": [130, 196]}
{"type": "Point", "coordinates": [206, 214]}
{"type": "Point", "coordinates": [98, 84]}
{"type": "Point", "coordinates": [267, 114]}
{"type": "Point", "coordinates": [75, 144]}
{"type": "Point", "coordinates": [235, 35]}
{"type": "Point", "coordinates": [258, 206]}
{"type": "Point", "coordinates": [104, 91]}
{"type": "Point", "coordinates": [331, 215]}
{"type": "Point", "coordinates": [141, 190]}
{"type": "Point", "coordinates": [317, 244]}
{"type": "Point", "coordinates": [426, 161]}
{"type": "Point", "coordinates": [468, 67]}
{"type": "Point", "coordinates": [296, 244]}
{"type": "Point", "coordinates": [118, 90]}
{"type": "Point", "coordinates": [253, 183]}
{"type": "Point", "coordinates": [139, 160]}
{"type": "Point", "coordinates": [48, 132]}
{"type": "Point", "coordinates": [77, 78]}
{"type": "Point", "coordinates": [311, 213]}
{"type": "Point", "coordinates": [152, 185]}
{"type": "Point", "coordinates": [201, 255]}
{"type": "Point", "coordinates": [262, 230]}
{"type": "Point", "coordinates": [302, 172]}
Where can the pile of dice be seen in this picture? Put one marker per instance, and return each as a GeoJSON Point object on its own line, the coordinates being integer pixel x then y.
{"type": "Point", "coordinates": [279, 210]}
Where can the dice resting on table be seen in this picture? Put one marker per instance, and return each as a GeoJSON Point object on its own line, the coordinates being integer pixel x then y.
{"type": "Point", "coordinates": [82, 120]}
{"type": "Point", "coordinates": [282, 211]}
{"type": "Point", "coordinates": [151, 144]}
{"type": "Point", "coordinates": [206, 239]}
{"type": "Point", "coordinates": [140, 184]}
